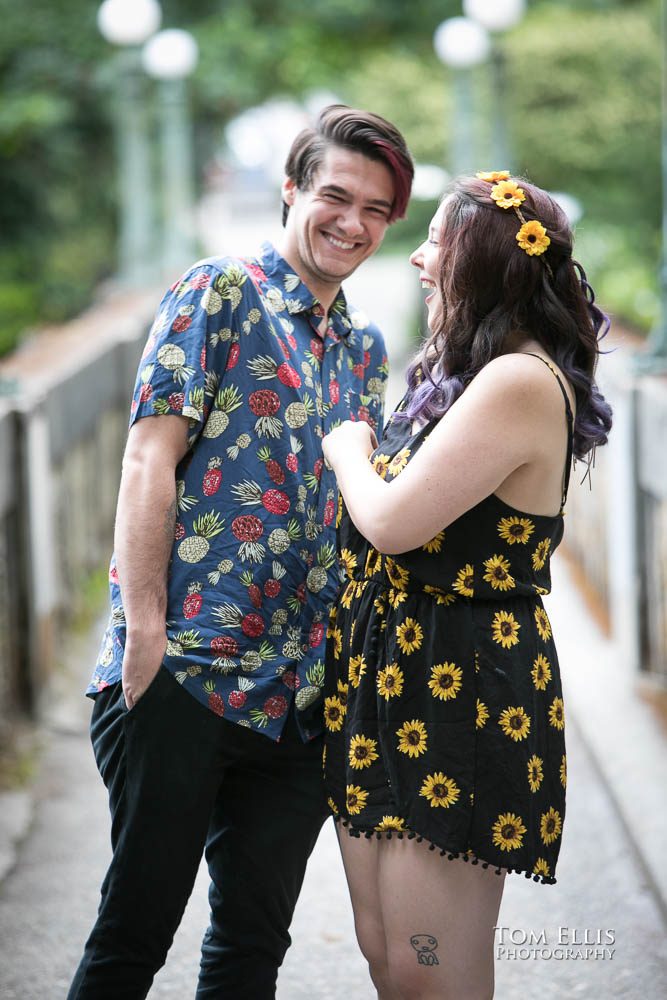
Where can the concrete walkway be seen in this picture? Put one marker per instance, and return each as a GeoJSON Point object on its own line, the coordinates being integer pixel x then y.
{"type": "Point", "coordinates": [610, 885]}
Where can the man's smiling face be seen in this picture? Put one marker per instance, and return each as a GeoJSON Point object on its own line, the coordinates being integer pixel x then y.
{"type": "Point", "coordinates": [337, 222]}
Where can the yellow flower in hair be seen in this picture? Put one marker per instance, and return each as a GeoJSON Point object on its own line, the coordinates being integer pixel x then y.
{"type": "Point", "coordinates": [493, 176]}
{"type": "Point", "coordinates": [507, 194]}
{"type": "Point", "coordinates": [532, 237]}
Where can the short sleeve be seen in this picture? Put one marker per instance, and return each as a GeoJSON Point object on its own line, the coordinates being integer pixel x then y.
{"type": "Point", "coordinates": [175, 375]}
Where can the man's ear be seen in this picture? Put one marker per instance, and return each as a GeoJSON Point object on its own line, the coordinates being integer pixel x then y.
{"type": "Point", "coordinates": [289, 190]}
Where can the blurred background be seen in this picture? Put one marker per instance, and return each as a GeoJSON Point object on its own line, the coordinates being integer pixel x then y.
{"type": "Point", "coordinates": [137, 136]}
{"type": "Point", "coordinates": [580, 113]}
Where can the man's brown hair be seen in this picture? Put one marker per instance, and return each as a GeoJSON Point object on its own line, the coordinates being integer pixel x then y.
{"type": "Point", "coordinates": [360, 131]}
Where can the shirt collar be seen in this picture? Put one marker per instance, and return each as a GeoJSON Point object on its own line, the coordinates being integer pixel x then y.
{"type": "Point", "coordinates": [298, 295]}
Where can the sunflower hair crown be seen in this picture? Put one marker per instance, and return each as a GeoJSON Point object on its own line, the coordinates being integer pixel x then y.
{"type": "Point", "coordinates": [532, 236]}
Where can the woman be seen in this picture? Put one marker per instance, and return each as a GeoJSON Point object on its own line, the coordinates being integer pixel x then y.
{"type": "Point", "coordinates": [444, 710]}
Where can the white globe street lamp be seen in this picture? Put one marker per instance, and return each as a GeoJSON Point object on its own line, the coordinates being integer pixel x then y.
{"type": "Point", "coordinates": [460, 44]}
{"type": "Point", "coordinates": [127, 24]}
{"type": "Point", "coordinates": [497, 16]}
{"type": "Point", "coordinates": [170, 57]}
{"type": "Point", "coordinates": [260, 137]}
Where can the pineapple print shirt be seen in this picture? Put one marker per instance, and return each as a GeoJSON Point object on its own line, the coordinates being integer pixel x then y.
{"type": "Point", "coordinates": [235, 348]}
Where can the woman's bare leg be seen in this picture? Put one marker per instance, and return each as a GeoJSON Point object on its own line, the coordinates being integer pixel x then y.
{"type": "Point", "coordinates": [438, 918]}
{"type": "Point", "coordinates": [361, 862]}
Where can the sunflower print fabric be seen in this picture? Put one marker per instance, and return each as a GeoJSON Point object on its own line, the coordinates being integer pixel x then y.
{"type": "Point", "coordinates": [444, 712]}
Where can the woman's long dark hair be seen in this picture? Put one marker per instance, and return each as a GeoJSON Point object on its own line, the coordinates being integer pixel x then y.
{"type": "Point", "coordinates": [492, 290]}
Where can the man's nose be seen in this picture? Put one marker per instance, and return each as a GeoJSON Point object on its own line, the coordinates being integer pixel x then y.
{"type": "Point", "coordinates": [350, 221]}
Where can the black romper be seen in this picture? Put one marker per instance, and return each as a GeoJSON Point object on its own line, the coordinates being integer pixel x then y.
{"type": "Point", "coordinates": [443, 702]}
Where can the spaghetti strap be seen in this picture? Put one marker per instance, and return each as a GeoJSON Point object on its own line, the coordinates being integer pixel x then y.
{"type": "Point", "coordinates": [570, 428]}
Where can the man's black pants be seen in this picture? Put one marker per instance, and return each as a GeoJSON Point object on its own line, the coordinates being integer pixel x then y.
{"type": "Point", "coordinates": [181, 779]}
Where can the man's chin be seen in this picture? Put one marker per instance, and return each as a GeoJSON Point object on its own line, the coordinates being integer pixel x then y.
{"type": "Point", "coordinates": [336, 269]}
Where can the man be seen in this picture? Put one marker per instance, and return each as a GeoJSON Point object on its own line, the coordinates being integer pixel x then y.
{"type": "Point", "coordinates": [207, 718]}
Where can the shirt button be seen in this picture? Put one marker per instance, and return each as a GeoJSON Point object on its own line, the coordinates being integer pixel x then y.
{"type": "Point", "coordinates": [305, 647]}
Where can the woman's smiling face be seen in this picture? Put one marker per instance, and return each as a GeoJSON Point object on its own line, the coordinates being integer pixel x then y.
{"type": "Point", "coordinates": [426, 259]}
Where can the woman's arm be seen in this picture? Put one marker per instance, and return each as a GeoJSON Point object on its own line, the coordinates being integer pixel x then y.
{"type": "Point", "coordinates": [495, 427]}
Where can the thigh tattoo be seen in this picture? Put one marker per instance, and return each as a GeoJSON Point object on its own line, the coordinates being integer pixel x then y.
{"type": "Point", "coordinates": [425, 946]}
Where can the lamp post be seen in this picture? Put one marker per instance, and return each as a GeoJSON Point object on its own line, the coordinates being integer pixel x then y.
{"type": "Point", "coordinates": [501, 15]}
{"type": "Point", "coordinates": [170, 57]}
{"type": "Point", "coordinates": [461, 43]}
{"type": "Point", "coordinates": [127, 24]}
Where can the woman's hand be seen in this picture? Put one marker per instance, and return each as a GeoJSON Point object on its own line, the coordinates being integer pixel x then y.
{"type": "Point", "coordinates": [352, 436]}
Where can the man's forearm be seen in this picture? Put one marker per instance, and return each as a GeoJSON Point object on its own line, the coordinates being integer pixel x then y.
{"type": "Point", "coordinates": [145, 522]}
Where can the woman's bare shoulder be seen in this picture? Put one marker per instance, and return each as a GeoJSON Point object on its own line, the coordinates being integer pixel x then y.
{"type": "Point", "coordinates": [508, 381]}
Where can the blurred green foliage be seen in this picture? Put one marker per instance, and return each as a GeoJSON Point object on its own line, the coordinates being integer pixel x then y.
{"type": "Point", "coordinates": [586, 118]}
{"type": "Point", "coordinates": [56, 211]}
{"type": "Point", "coordinates": [583, 115]}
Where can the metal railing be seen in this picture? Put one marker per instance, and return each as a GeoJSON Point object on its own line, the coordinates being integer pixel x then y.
{"type": "Point", "coordinates": [61, 447]}
{"type": "Point", "coordinates": [13, 586]}
{"type": "Point", "coordinates": [652, 524]}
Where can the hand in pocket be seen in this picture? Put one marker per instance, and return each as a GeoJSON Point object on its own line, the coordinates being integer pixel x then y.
{"type": "Point", "coordinates": [141, 663]}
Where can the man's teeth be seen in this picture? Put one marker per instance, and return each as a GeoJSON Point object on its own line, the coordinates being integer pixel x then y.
{"type": "Point", "coordinates": [339, 243]}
